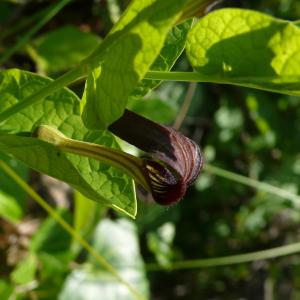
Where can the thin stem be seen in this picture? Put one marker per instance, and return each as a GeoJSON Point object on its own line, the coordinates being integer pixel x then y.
{"type": "Point", "coordinates": [198, 77]}
{"type": "Point", "coordinates": [230, 260]}
{"type": "Point", "coordinates": [98, 257]}
{"type": "Point", "coordinates": [177, 76]}
{"type": "Point", "coordinates": [53, 10]}
{"type": "Point", "coordinates": [240, 258]}
{"type": "Point", "coordinates": [80, 72]}
{"type": "Point", "coordinates": [185, 105]}
{"type": "Point", "coordinates": [55, 85]}
{"type": "Point", "coordinates": [261, 186]}
{"type": "Point", "coordinates": [249, 82]}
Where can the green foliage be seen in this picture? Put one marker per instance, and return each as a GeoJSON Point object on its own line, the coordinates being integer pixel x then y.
{"type": "Point", "coordinates": [25, 271]}
{"type": "Point", "coordinates": [61, 110]}
{"type": "Point", "coordinates": [253, 132]}
{"type": "Point", "coordinates": [86, 213]}
{"type": "Point", "coordinates": [160, 243]}
{"type": "Point", "coordinates": [247, 48]}
{"type": "Point", "coordinates": [172, 49]}
{"type": "Point", "coordinates": [155, 108]}
{"type": "Point", "coordinates": [12, 198]}
{"type": "Point", "coordinates": [51, 237]}
{"type": "Point", "coordinates": [120, 248]}
{"type": "Point", "coordinates": [151, 30]}
{"type": "Point", "coordinates": [59, 50]}
{"type": "Point", "coordinates": [5, 289]}
{"type": "Point", "coordinates": [10, 208]}
{"type": "Point", "coordinates": [8, 185]}
{"type": "Point", "coordinates": [124, 57]}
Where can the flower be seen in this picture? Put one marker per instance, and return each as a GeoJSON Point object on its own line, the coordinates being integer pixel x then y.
{"type": "Point", "coordinates": [172, 161]}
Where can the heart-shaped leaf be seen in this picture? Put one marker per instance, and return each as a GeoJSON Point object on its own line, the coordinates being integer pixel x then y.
{"type": "Point", "coordinates": [95, 180]}
{"type": "Point", "coordinates": [124, 57]}
{"type": "Point", "coordinates": [247, 48]}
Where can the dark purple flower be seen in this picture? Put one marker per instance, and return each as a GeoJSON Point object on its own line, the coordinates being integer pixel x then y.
{"type": "Point", "coordinates": [172, 161]}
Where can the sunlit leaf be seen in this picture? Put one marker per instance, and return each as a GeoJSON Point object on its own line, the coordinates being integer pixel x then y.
{"type": "Point", "coordinates": [247, 48]}
{"type": "Point", "coordinates": [59, 50]}
{"type": "Point", "coordinates": [124, 57]}
{"type": "Point", "coordinates": [96, 180]}
{"type": "Point", "coordinates": [120, 248]}
{"type": "Point", "coordinates": [173, 47]}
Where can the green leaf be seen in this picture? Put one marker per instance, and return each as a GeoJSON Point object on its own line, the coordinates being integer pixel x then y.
{"type": "Point", "coordinates": [86, 213]}
{"type": "Point", "coordinates": [59, 50]}
{"type": "Point", "coordinates": [155, 109]}
{"type": "Point", "coordinates": [6, 289]}
{"type": "Point", "coordinates": [51, 237]}
{"type": "Point", "coordinates": [25, 270]}
{"type": "Point", "coordinates": [247, 48]}
{"type": "Point", "coordinates": [8, 185]}
{"type": "Point", "coordinates": [95, 180]}
{"type": "Point", "coordinates": [53, 265]}
{"type": "Point", "coordinates": [10, 208]}
{"type": "Point", "coordinates": [120, 248]}
{"type": "Point", "coordinates": [160, 244]}
{"type": "Point", "coordinates": [114, 10]}
{"type": "Point", "coordinates": [124, 57]}
{"type": "Point", "coordinates": [12, 197]}
{"type": "Point", "coordinates": [173, 47]}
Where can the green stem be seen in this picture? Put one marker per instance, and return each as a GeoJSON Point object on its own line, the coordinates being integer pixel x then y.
{"type": "Point", "coordinates": [59, 83]}
{"type": "Point", "coordinates": [53, 10]}
{"type": "Point", "coordinates": [261, 186]}
{"type": "Point", "coordinates": [73, 75]}
{"type": "Point", "coordinates": [98, 257]}
{"type": "Point", "coordinates": [198, 77]}
{"type": "Point", "coordinates": [249, 82]}
{"type": "Point", "coordinates": [178, 76]}
{"type": "Point", "coordinates": [240, 258]}
{"type": "Point", "coordinates": [191, 77]}
{"type": "Point", "coordinates": [230, 260]}
{"type": "Point", "coordinates": [187, 101]}
{"type": "Point", "coordinates": [80, 73]}
{"type": "Point", "coordinates": [131, 165]}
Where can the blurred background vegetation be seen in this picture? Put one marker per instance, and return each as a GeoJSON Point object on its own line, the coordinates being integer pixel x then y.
{"type": "Point", "coordinates": [249, 132]}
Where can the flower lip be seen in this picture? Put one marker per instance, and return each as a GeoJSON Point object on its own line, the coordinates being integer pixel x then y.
{"type": "Point", "coordinates": [174, 160]}
{"type": "Point", "coordinates": [167, 186]}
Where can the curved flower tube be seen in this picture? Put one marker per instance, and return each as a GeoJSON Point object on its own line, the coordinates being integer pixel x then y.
{"type": "Point", "coordinates": [131, 165]}
{"type": "Point", "coordinates": [172, 162]}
